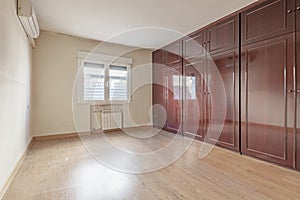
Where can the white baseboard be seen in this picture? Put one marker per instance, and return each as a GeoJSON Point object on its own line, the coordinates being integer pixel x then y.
{"type": "Point", "coordinates": [15, 170]}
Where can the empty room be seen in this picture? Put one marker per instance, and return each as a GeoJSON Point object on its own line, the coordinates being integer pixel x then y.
{"type": "Point", "coordinates": [161, 99]}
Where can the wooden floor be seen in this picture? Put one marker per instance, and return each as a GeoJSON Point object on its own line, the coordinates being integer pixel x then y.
{"type": "Point", "coordinates": [63, 169]}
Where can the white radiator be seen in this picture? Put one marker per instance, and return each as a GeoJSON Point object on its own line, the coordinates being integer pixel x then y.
{"type": "Point", "coordinates": [111, 119]}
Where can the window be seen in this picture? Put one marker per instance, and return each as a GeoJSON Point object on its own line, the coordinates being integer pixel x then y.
{"type": "Point", "coordinates": [118, 82]}
{"type": "Point", "coordinates": [93, 84]}
{"type": "Point", "coordinates": [103, 81]}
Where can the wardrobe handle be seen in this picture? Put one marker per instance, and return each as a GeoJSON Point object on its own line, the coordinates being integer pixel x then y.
{"type": "Point", "coordinates": [289, 11]}
{"type": "Point", "coordinates": [296, 91]}
{"type": "Point", "coordinates": [298, 8]}
{"type": "Point", "coordinates": [206, 93]}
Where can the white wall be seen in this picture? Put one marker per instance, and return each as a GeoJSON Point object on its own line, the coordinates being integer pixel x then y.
{"type": "Point", "coordinates": [15, 73]}
{"type": "Point", "coordinates": [55, 65]}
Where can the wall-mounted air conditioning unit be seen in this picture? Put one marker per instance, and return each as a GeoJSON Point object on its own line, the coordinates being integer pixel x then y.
{"type": "Point", "coordinates": [28, 19]}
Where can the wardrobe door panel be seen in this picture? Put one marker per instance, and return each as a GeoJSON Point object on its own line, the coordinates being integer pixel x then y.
{"type": "Point", "coordinates": [174, 98]}
{"type": "Point", "coordinates": [227, 64]}
{"type": "Point", "coordinates": [173, 80]}
{"type": "Point", "coordinates": [267, 107]}
{"type": "Point", "coordinates": [195, 102]}
{"type": "Point", "coordinates": [223, 36]}
{"type": "Point", "coordinates": [266, 20]}
{"type": "Point", "coordinates": [194, 46]}
{"type": "Point", "coordinates": [159, 89]}
{"type": "Point", "coordinates": [298, 130]}
{"type": "Point", "coordinates": [297, 94]}
{"type": "Point", "coordinates": [297, 10]}
{"type": "Point", "coordinates": [173, 53]}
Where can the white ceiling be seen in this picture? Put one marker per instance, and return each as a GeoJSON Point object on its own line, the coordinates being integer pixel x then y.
{"type": "Point", "coordinates": [129, 22]}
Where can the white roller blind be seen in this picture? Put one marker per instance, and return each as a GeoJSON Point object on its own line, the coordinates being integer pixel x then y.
{"type": "Point", "coordinates": [93, 84]}
{"type": "Point", "coordinates": [118, 82]}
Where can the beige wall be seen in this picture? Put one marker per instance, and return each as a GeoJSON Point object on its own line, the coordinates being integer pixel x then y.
{"type": "Point", "coordinates": [15, 73]}
{"type": "Point", "coordinates": [55, 67]}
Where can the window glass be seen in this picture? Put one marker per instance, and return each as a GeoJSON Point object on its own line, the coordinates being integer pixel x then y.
{"type": "Point", "coordinates": [93, 81]}
{"type": "Point", "coordinates": [118, 82]}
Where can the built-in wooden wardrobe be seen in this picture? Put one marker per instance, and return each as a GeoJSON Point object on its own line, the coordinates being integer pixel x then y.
{"type": "Point", "coordinates": [167, 87]}
{"type": "Point", "coordinates": [215, 46]}
{"type": "Point", "coordinates": [257, 53]}
{"type": "Point", "coordinates": [268, 64]}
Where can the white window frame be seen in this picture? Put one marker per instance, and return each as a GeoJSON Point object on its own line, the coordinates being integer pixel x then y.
{"type": "Point", "coordinates": [105, 60]}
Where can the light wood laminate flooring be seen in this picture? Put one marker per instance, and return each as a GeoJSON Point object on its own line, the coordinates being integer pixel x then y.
{"type": "Point", "coordinates": [63, 169]}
